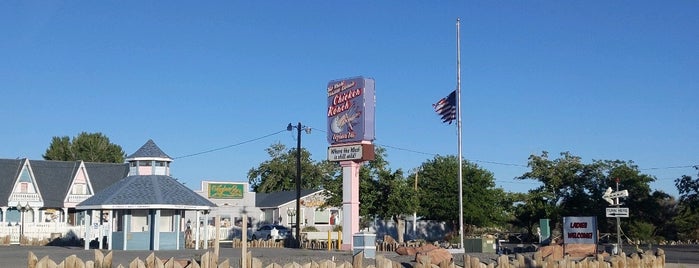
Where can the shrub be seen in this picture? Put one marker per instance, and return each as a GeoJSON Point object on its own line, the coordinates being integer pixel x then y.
{"type": "Point", "coordinates": [309, 229]}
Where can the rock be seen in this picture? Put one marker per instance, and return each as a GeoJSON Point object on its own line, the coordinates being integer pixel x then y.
{"type": "Point", "coordinates": [436, 254]}
{"type": "Point", "coordinates": [553, 251]}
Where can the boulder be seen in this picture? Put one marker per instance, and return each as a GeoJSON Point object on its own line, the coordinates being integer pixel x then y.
{"type": "Point", "coordinates": [436, 254]}
{"type": "Point", "coordinates": [553, 251]}
{"type": "Point", "coordinates": [580, 250]}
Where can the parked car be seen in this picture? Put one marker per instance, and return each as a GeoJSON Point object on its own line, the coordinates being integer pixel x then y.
{"type": "Point", "coordinates": [271, 231]}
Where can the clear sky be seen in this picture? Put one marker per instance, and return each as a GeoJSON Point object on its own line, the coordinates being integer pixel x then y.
{"type": "Point", "coordinates": [603, 80]}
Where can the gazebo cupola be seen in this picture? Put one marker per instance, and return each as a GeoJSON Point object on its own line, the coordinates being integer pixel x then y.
{"type": "Point", "coordinates": [149, 160]}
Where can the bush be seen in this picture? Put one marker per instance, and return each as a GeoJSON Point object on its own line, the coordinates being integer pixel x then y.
{"type": "Point", "coordinates": [309, 229]}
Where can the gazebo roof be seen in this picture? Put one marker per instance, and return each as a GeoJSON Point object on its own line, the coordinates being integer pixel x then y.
{"type": "Point", "coordinates": [149, 150]}
{"type": "Point", "coordinates": [147, 192]}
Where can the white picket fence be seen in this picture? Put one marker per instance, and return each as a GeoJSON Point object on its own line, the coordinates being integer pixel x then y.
{"type": "Point", "coordinates": [54, 230]}
{"type": "Point", "coordinates": [40, 231]}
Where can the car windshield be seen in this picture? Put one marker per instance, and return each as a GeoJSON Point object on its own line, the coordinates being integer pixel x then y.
{"type": "Point", "coordinates": [279, 227]}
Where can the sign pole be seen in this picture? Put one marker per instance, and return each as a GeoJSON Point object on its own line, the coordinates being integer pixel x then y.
{"type": "Point", "coordinates": [618, 223]}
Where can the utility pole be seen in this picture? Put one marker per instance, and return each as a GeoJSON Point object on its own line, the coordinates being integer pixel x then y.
{"type": "Point", "coordinates": [618, 223]}
{"type": "Point", "coordinates": [415, 212]}
{"type": "Point", "coordinates": [298, 185]}
{"type": "Point", "coordinates": [298, 127]}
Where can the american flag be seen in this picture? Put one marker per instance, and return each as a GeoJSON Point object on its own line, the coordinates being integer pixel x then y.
{"type": "Point", "coordinates": [446, 108]}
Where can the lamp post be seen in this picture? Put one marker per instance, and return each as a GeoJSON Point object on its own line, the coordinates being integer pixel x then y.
{"type": "Point", "coordinates": [299, 127]}
{"type": "Point", "coordinates": [291, 213]}
{"type": "Point", "coordinates": [22, 209]}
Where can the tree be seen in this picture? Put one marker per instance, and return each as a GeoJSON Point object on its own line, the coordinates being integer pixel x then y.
{"type": "Point", "coordinates": [382, 192]}
{"type": "Point", "coordinates": [572, 188]}
{"type": "Point", "coordinates": [89, 147]}
{"type": "Point", "coordinates": [528, 209]}
{"type": "Point", "coordinates": [559, 179]}
{"type": "Point", "coordinates": [279, 173]}
{"type": "Point", "coordinates": [688, 189]}
{"type": "Point", "coordinates": [688, 211]}
{"type": "Point", "coordinates": [439, 192]}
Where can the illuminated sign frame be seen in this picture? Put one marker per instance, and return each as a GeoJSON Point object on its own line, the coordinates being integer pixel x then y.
{"type": "Point", "coordinates": [351, 108]}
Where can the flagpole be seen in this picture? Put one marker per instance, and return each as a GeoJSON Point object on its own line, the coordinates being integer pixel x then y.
{"type": "Point", "coordinates": [458, 131]}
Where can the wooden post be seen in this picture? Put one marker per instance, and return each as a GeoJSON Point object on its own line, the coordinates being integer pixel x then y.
{"type": "Point", "coordinates": [243, 254]}
{"type": "Point", "coordinates": [217, 222]}
{"type": "Point", "coordinates": [357, 260]}
{"type": "Point", "coordinates": [31, 260]}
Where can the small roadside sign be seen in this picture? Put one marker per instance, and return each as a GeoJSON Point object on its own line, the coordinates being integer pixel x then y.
{"type": "Point", "coordinates": [617, 194]}
{"type": "Point", "coordinates": [617, 212]}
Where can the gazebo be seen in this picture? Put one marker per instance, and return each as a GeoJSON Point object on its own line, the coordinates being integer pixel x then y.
{"type": "Point", "coordinates": [144, 211]}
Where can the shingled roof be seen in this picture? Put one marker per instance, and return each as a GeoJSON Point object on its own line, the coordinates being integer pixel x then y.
{"type": "Point", "coordinates": [149, 191]}
{"type": "Point", "coordinates": [102, 175]}
{"type": "Point", "coordinates": [149, 150]}
{"type": "Point", "coordinates": [9, 170]}
{"type": "Point", "coordinates": [54, 178]}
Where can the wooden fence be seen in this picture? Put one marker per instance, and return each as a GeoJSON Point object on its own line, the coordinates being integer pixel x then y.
{"type": "Point", "coordinates": [207, 260]}
{"type": "Point", "coordinates": [648, 259]}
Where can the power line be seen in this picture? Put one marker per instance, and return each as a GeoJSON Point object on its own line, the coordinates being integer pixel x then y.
{"type": "Point", "coordinates": [471, 160]}
{"type": "Point", "coordinates": [229, 146]}
{"type": "Point", "coordinates": [402, 149]}
{"type": "Point", "coordinates": [672, 167]}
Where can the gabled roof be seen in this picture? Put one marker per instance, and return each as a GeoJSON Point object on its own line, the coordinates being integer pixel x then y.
{"type": "Point", "coordinates": [53, 178]}
{"type": "Point", "coordinates": [276, 199]}
{"type": "Point", "coordinates": [146, 192]}
{"type": "Point", "coordinates": [149, 150]}
{"type": "Point", "coordinates": [9, 169]}
{"type": "Point", "coordinates": [102, 175]}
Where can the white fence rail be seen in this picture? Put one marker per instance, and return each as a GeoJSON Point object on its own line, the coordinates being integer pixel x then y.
{"type": "Point", "coordinates": [40, 231]}
{"type": "Point", "coordinates": [53, 230]}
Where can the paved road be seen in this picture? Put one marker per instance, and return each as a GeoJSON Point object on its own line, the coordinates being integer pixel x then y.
{"type": "Point", "coordinates": [16, 256]}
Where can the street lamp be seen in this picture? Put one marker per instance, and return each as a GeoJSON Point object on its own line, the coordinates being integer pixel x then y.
{"type": "Point", "coordinates": [291, 213]}
{"type": "Point", "coordinates": [299, 127]}
{"type": "Point", "coordinates": [22, 209]}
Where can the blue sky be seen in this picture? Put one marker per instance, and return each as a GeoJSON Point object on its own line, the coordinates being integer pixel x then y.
{"type": "Point", "coordinates": [603, 80]}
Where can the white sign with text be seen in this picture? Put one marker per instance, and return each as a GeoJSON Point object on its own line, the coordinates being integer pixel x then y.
{"type": "Point", "coordinates": [580, 230]}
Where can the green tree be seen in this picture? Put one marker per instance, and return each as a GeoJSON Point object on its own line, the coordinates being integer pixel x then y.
{"type": "Point", "coordinates": [528, 209]}
{"type": "Point", "coordinates": [383, 193]}
{"type": "Point", "coordinates": [89, 147]}
{"type": "Point", "coordinates": [572, 188]}
{"type": "Point", "coordinates": [688, 209]}
{"type": "Point", "coordinates": [559, 179]}
{"type": "Point", "coordinates": [439, 192]}
{"type": "Point", "coordinates": [279, 172]}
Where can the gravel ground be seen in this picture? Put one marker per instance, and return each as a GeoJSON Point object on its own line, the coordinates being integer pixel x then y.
{"type": "Point", "coordinates": [16, 256]}
{"type": "Point", "coordinates": [282, 256]}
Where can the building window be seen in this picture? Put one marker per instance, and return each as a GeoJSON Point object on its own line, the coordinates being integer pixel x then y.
{"type": "Point", "coordinates": [79, 189]}
{"type": "Point", "coordinates": [322, 217]}
{"type": "Point", "coordinates": [166, 221]}
{"type": "Point", "coordinates": [139, 220]}
{"type": "Point", "coordinates": [23, 187]}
